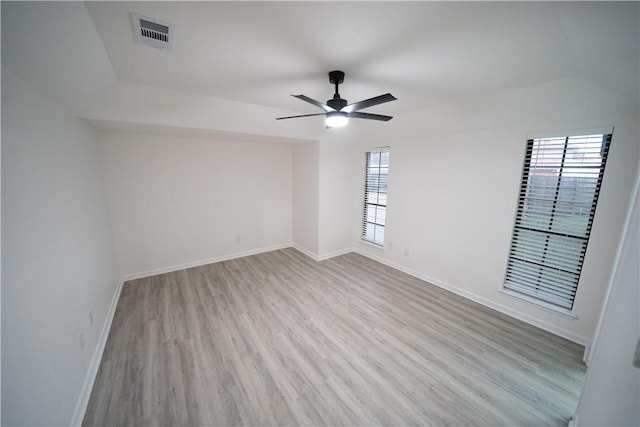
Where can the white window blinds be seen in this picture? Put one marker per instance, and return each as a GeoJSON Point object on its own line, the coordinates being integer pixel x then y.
{"type": "Point", "coordinates": [375, 196]}
{"type": "Point", "coordinates": [558, 195]}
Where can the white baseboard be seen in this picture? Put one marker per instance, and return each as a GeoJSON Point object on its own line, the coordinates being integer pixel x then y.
{"type": "Point", "coordinates": [586, 353]}
{"type": "Point", "coordinates": [321, 257]}
{"type": "Point", "coordinates": [83, 400]}
{"type": "Point", "coordinates": [87, 386]}
{"type": "Point", "coordinates": [561, 332]}
{"type": "Point", "coordinates": [183, 266]}
{"type": "Point", "coordinates": [85, 394]}
{"type": "Point", "coordinates": [306, 252]}
{"type": "Point", "coordinates": [334, 254]}
{"type": "Point", "coordinates": [573, 422]}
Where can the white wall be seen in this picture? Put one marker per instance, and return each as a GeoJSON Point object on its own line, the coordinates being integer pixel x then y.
{"type": "Point", "coordinates": [128, 103]}
{"type": "Point", "coordinates": [336, 175]}
{"type": "Point", "coordinates": [611, 392]}
{"type": "Point", "coordinates": [453, 185]}
{"type": "Point", "coordinates": [55, 47]}
{"type": "Point", "coordinates": [57, 256]}
{"type": "Point", "coordinates": [323, 193]}
{"type": "Point", "coordinates": [305, 198]}
{"type": "Point", "coordinates": [178, 201]}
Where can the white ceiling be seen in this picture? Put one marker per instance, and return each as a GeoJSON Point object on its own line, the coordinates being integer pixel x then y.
{"type": "Point", "coordinates": [425, 53]}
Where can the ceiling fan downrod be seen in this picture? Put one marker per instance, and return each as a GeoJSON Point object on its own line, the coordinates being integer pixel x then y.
{"type": "Point", "coordinates": [337, 103]}
{"type": "Point", "coordinates": [338, 109]}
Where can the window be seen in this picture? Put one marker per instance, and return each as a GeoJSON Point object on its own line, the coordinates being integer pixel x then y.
{"type": "Point", "coordinates": [558, 195]}
{"type": "Point", "coordinates": [375, 196]}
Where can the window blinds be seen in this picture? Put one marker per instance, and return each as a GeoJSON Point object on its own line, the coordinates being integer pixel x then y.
{"type": "Point", "coordinates": [375, 196]}
{"type": "Point", "coordinates": [558, 195]}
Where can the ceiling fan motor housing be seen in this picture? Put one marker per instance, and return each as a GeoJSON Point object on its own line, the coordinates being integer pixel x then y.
{"type": "Point", "coordinates": [336, 77]}
{"type": "Point", "coordinates": [337, 103]}
{"type": "Point", "coordinates": [333, 109]}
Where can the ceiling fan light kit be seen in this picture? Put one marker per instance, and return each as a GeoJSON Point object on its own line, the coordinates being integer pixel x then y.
{"type": "Point", "coordinates": [336, 119]}
{"type": "Point", "coordinates": [337, 110]}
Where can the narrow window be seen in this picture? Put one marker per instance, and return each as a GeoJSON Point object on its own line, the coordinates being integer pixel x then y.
{"type": "Point", "coordinates": [558, 195]}
{"type": "Point", "coordinates": [375, 196]}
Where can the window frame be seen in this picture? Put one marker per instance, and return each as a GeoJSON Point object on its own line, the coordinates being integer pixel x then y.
{"type": "Point", "coordinates": [560, 293]}
{"type": "Point", "coordinates": [375, 208]}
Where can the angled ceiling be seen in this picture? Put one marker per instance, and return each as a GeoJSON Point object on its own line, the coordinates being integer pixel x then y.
{"type": "Point", "coordinates": [255, 54]}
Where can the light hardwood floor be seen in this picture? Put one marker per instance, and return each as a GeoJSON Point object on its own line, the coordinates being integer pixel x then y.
{"type": "Point", "coordinates": [279, 339]}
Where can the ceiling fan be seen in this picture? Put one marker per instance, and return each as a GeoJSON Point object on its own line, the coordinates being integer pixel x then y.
{"type": "Point", "coordinates": [337, 110]}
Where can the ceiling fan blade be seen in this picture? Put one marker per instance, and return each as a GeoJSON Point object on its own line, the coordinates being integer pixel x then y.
{"type": "Point", "coordinates": [369, 116]}
{"type": "Point", "coordinates": [369, 102]}
{"type": "Point", "coordinates": [303, 115]}
{"type": "Point", "coordinates": [325, 107]}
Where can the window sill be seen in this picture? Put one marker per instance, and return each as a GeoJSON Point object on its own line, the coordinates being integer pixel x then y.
{"type": "Point", "coordinates": [541, 304]}
{"type": "Point", "coordinates": [375, 245]}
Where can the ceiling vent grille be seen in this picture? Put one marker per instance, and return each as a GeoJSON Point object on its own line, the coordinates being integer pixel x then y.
{"type": "Point", "coordinates": [152, 32]}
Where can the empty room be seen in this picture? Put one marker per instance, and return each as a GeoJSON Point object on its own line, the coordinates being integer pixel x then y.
{"type": "Point", "coordinates": [320, 213]}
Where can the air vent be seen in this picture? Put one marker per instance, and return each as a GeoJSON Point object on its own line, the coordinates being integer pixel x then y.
{"type": "Point", "coordinates": [152, 32]}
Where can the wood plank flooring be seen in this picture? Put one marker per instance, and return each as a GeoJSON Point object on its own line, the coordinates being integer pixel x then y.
{"type": "Point", "coordinates": [280, 339]}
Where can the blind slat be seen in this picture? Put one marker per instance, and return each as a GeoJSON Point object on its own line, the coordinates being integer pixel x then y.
{"type": "Point", "coordinates": [375, 196]}
{"type": "Point", "coordinates": [559, 191]}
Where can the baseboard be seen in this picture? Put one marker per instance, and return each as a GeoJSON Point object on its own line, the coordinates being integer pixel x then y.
{"type": "Point", "coordinates": [321, 257]}
{"type": "Point", "coordinates": [573, 422]}
{"type": "Point", "coordinates": [83, 400]}
{"type": "Point", "coordinates": [571, 336]}
{"type": "Point", "coordinates": [85, 394]}
{"type": "Point", "coordinates": [87, 386]}
{"type": "Point", "coordinates": [199, 263]}
{"type": "Point", "coordinates": [306, 252]}
{"type": "Point", "coordinates": [586, 353]}
{"type": "Point", "coordinates": [334, 254]}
